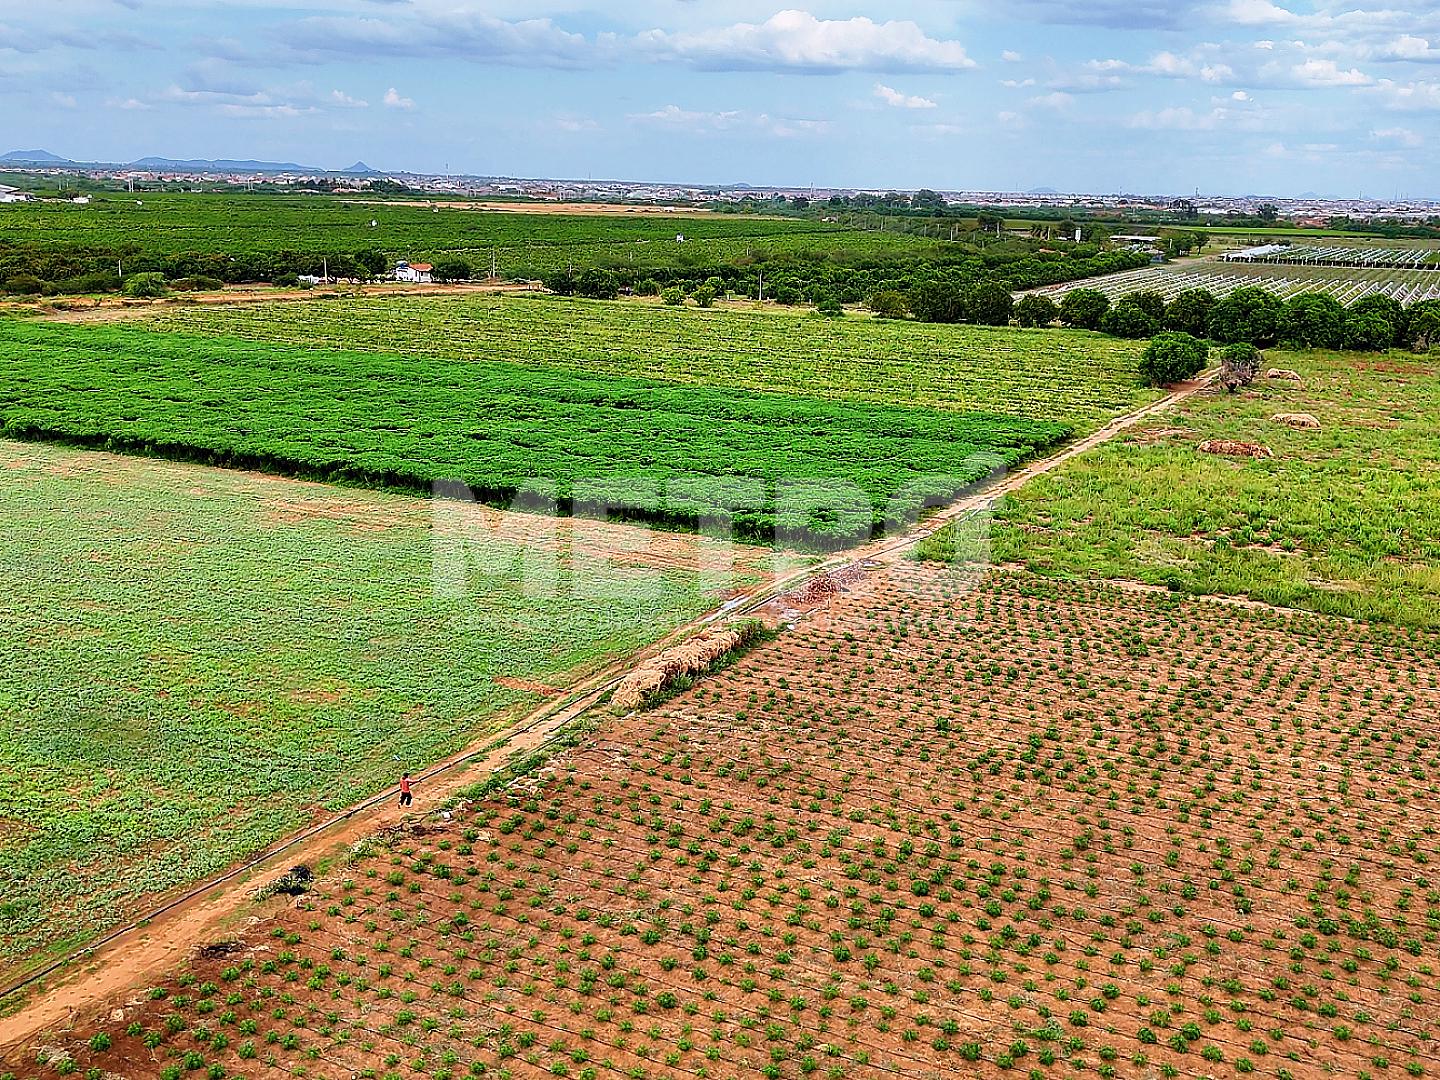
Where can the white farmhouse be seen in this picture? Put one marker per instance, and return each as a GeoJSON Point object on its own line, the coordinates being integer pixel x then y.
{"type": "Point", "coordinates": [416, 273]}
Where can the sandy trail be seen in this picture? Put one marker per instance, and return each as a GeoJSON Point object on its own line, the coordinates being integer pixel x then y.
{"type": "Point", "coordinates": [115, 308]}
{"type": "Point", "coordinates": [130, 958]}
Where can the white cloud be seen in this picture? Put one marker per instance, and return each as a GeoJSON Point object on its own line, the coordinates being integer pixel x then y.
{"type": "Point", "coordinates": [1171, 66]}
{"type": "Point", "coordinates": [1327, 73]}
{"type": "Point", "coordinates": [1056, 100]}
{"type": "Point", "coordinates": [941, 131]}
{"type": "Point", "coordinates": [674, 116]}
{"type": "Point", "coordinates": [450, 31]}
{"type": "Point", "coordinates": [64, 101]}
{"type": "Point", "coordinates": [393, 100]}
{"type": "Point", "coordinates": [697, 122]}
{"type": "Point", "coordinates": [1420, 96]}
{"type": "Point", "coordinates": [1410, 49]}
{"type": "Point", "coordinates": [798, 41]}
{"type": "Point", "coordinates": [1240, 95]}
{"type": "Point", "coordinates": [1258, 13]}
{"type": "Point", "coordinates": [1173, 119]}
{"type": "Point", "coordinates": [896, 99]}
{"type": "Point", "coordinates": [342, 100]}
{"type": "Point", "coordinates": [575, 124]}
{"type": "Point", "coordinates": [1403, 136]}
{"type": "Point", "coordinates": [1168, 65]}
{"type": "Point", "coordinates": [1017, 84]}
{"type": "Point", "coordinates": [1220, 117]}
{"type": "Point", "coordinates": [1010, 56]}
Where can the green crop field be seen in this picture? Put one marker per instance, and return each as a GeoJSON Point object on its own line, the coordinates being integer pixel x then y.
{"type": "Point", "coordinates": [245, 224]}
{"type": "Point", "coordinates": [194, 662]}
{"type": "Point", "coordinates": [1343, 520]}
{"type": "Point", "coordinates": [1073, 377]}
{"type": "Point", "coordinates": [153, 228]}
{"type": "Point", "coordinates": [500, 427]}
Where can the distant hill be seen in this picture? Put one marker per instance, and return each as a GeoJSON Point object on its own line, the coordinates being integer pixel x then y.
{"type": "Point", "coordinates": [359, 167]}
{"type": "Point", "coordinates": [1042, 191]}
{"type": "Point", "coordinates": [223, 165]}
{"type": "Point", "coordinates": [36, 157]}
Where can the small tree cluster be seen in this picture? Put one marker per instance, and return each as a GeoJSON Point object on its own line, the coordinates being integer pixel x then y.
{"type": "Point", "coordinates": [1173, 357]}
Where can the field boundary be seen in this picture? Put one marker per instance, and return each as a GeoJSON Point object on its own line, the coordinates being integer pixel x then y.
{"type": "Point", "coordinates": [545, 726]}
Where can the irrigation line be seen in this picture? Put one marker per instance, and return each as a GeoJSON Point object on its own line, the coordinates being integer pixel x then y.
{"type": "Point", "coordinates": [595, 692]}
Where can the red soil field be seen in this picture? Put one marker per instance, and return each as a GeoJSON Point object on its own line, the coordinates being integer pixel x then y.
{"type": "Point", "coordinates": [942, 828]}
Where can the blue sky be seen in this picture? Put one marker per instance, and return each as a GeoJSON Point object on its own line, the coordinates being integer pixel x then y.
{"type": "Point", "coordinates": [1233, 96]}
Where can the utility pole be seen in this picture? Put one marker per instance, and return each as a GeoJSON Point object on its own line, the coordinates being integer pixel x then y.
{"type": "Point", "coordinates": [493, 274]}
{"type": "Point", "coordinates": [762, 286]}
{"type": "Point", "coordinates": [325, 272]}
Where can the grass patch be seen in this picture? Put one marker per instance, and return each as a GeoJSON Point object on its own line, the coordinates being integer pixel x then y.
{"type": "Point", "coordinates": [1344, 520]}
{"type": "Point", "coordinates": [194, 663]}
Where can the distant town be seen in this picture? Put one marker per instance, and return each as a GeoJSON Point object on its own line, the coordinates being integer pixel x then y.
{"type": "Point", "coordinates": [150, 173]}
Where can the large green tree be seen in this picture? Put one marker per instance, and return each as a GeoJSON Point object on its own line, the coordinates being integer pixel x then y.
{"type": "Point", "coordinates": [1084, 308]}
{"type": "Point", "coordinates": [1250, 314]}
{"type": "Point", "coordinates": [1173, 357]}
{"type": "Point", "coordinates": [937, 302]}
{"type": "Point", "coordinates": [1128, 319]}
{"type": "Point", "coordinates": [1389, 309]}
{"type": "Point", "coordinates": [1036, 310]}
{"type": "Point", "coordinates": [1313, 321]}
{"type": "Point", "coordinates": [1189, 312]}
{"type": "Point", "coordinates": [988, 303]}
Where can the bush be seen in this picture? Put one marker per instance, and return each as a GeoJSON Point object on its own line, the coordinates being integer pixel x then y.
{"type": "Point", "coordinates": [561, 282]}
{"type": "Point", "coordinates": [286, 281]}
{"type": "Point", "coordinates": [1084, 308]}
{"type": "Point", "coordinates": [830, 307]}
{"type": "Point", "coordinates": [1189, 312]}
{"type": "Point", "coordinates": [197, 283]}
{"type": "Point", "coordinates": [673, 296]}
{"type": "Point", "coordinates": [704, 296]}
{"type": "Point", "coordinates": [1239, 364]}
{"type": "Point", "coordinates": [1389, 309]}
{"type": "Point", "coordinates": [1250, 314]}
{"type": "Point", "coordinates": [988, 303]}
{"type": "Point", "coordinates": [596, 284]}
{"type": "Point", "coordinates": [1148, 301]}
{"type": "Point", "coordinates": [889, 304]}
{"type": "Point", "coordinates": [145, 286]}
{"type": "Point", "coordinates": [451, 270]}
{"type": "Point", "coordinates": [101, 282]}
{"type": "Point", "coordinates": [1313, 321]}
{"type": "Point", "coordinates": [1422, 326]}
{"type": "Point", "coordinates": [1034, 310]}
{"type": "Point", "coordinates": [1129, 320]}
{"type": "Point", "coordinates": [1173, 357]}
{"type": "Point", "coordinates": [1368, 332]}
{"type": "Point", "coordinates": [937, 302]}
{"type": "Point", "coordinates": [24, 285]}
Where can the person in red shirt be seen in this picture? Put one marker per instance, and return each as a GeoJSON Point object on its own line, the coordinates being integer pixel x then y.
{"type": "Point", "coordinates": [405, 797]}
